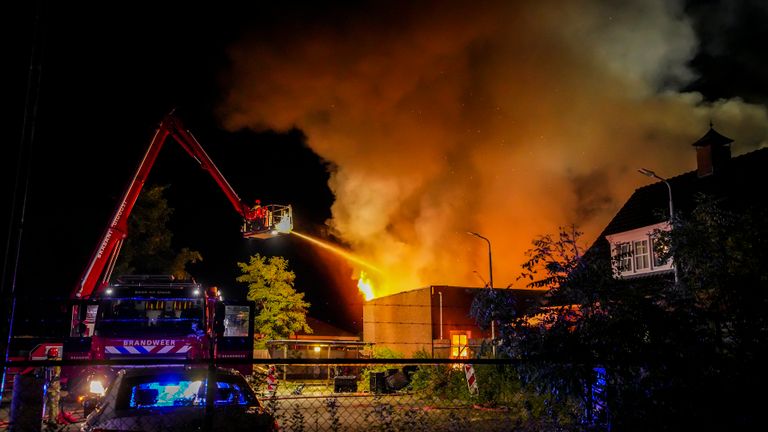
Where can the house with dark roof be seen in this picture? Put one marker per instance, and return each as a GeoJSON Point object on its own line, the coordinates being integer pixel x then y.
{"type": "Point", "coordinates": [734, 181]}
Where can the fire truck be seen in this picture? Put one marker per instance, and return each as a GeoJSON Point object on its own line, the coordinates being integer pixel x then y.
{"type": "Point", "coordinates": [158, 316]}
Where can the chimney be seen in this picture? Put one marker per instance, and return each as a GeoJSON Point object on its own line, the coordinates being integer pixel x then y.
{"type": "Point", "coordinates": [713, 151]}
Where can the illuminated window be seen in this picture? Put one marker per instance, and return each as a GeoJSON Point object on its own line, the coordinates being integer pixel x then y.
{"type": "Point", "coordinates": [659, 249]}
{"type": "Point", "coordinates": [157, 394]}
{"type": "Point", "coordinates": [459, 345]}
{"type": "Point", "coordinates": [641, 255]}
{"type": "Point", "coordinates": [638, 251]}
{"type": "Point", "coordinates": [236, 320]}
{"type": "Point", "coordinates": [180, 390]}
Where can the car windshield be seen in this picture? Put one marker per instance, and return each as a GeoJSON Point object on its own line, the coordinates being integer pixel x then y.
{"type": "Point", "coordinates": [168, 317]}
{"type": "Point", "coordinates": [181, 389]}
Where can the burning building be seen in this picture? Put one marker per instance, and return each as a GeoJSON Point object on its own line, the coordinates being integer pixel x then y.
{"type": "Point", "coordinates": [433, 319]}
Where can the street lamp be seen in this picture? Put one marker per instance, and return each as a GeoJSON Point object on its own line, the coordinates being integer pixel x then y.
{"type": "Point", "coordinates": [490, 285]}
{"type": "Point", "coordinates": [490, 258]}
{"type": "Point", "coordinates": [649, 173]}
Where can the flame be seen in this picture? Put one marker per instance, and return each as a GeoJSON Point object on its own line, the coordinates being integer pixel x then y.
{"type": "Point", "coordinates": [365, 285]}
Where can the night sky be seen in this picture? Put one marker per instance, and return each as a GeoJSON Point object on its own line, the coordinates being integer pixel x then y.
{"type": "Point", "coordinates": [391, 127]}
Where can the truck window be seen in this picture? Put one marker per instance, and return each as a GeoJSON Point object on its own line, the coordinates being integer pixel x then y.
{"type": "Point", "coordinates": [236, 321]}
{"type": "Point", "coordinates": [169, 317]}
{"type": "Point", "coordinates": [185, 389]}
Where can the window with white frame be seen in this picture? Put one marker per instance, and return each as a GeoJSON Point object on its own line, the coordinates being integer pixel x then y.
{"type": "Point", "coordinates": [624, 256]}
{"type": "Point", "coordinates": [641, 255]}
{"type": "Point", "coordinates": [637, 252]}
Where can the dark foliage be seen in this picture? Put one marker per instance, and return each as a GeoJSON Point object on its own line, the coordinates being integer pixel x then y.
{"type": "Point", "coordinates": [148, 246]}
{"type": "Point", "coordinates": [676, 356]}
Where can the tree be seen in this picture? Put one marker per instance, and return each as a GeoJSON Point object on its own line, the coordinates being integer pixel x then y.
{"type": "Point", "coordinates": [283, 311]}
{"type": "Point", "coordinates": [676, 356]}
{"type": "Point", "coordinates": [557, 258]}
{"type": "Point", "coordinates": [147, 249]}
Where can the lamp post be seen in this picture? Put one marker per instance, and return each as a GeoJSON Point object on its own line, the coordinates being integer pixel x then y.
{"type": "Point", "coordinates": [649, 173]}
{"type": "Point", "coordinates": [490, 258]}
{"type": "Point", "coordinates": [490, 285]}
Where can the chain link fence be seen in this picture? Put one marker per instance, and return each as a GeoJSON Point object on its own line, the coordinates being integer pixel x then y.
{"type": "Point", "coordinates": [297, 395]}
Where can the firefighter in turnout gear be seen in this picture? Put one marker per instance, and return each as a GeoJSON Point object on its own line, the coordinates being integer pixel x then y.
{"type": "Point", "coordinates": [259, 214]}
{"type": "Point", "coordinates": [52, 389]}
{"type": "Point", "coordinates": [54, 415]}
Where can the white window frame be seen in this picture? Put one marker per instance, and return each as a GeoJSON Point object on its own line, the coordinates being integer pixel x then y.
{"type": "Point", "coordinates": [641, 254]}
{"type": "Point", "coordinates": [624, 250]}
{"type": "Point", "coordinates": [631, 238]}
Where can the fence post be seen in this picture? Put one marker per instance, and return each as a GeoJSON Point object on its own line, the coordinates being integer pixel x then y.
{"type": "Point", "coordinates": [210, 396]}
{"type": "Point", "coordinates": [211, 387]}
{"type": "Point", "coordinates": [26, 404]}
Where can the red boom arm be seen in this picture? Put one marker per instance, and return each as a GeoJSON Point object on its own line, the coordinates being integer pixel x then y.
{"type": "Point", "coordinates": [102, 262]}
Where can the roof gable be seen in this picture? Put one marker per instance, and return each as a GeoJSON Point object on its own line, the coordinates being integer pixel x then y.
{"type": "Point", "coordinates": [742, 181]}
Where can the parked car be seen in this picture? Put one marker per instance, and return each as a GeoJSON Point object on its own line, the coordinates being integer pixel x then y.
{"type": "Point", "coordinates": [174, 399]}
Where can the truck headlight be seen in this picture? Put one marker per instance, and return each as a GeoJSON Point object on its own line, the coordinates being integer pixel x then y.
{"type": "Point", "coordinates": [96, 386]}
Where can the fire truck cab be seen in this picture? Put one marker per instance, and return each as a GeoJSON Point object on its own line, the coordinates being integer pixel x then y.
{"type": "Point", "coordinates": [156, 317]}
{"type": "Point", "coordinates": [159, 317]}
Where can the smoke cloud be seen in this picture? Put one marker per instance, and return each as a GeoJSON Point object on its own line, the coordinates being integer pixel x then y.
{"type": "Point", "coordinates": [505, 118]}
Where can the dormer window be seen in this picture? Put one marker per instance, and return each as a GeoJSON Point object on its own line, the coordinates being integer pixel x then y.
{"type": "Point", "coordinates": [657, 250]}
{"type": "Point", "coordinates": [633, 252]}
{"type": "Point", "coordinates": [641, 254]}
{"type": "Point", "coordinates": [624, 256]}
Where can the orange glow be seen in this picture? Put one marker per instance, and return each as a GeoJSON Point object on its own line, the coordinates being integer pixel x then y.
{"type": "Point", "coordinates": [365, 286]}
{"type": "Point", "coordinates": [337, 250]}
{"type": "Point", "coordinates": [428, 137]}
{"type": "Point", "coordinates": [459, 345]}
